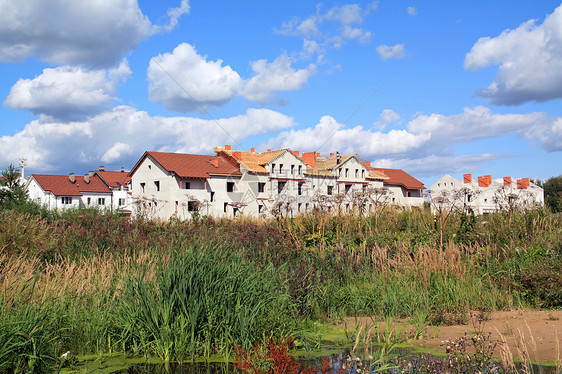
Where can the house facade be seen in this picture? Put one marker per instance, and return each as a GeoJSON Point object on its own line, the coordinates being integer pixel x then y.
{"type": "Point", "coordinates": [485, 195]}
{"type": "Point", "coordinates": [267, 184]}
{"type": "Point", "coordinates": [102, 189]}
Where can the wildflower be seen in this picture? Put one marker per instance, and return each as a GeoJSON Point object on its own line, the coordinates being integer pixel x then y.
{"type": "Point", "coordinates": [64, 356]}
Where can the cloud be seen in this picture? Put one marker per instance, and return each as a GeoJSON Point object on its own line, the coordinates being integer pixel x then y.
{"type": "Point", "coordinates": [68, 93]}
{"type": "Point", "coordinates": [529, 59]}
{"type": "Point", "coordinates": [330, 29]}
{"type": "Point", "coordinates": [278, 75]}
{"type": "Point", "coordinates": [426, 137]}
{"type": "Point", "coordinates": [387, 51]}
{"type": "Point", "coordinates": [89, 143]}
{"type": "Point", "coordinates": [436, 164]}
{"type": "Point", "coordinates": [412, 11]}
{"type": "Point", "coordinates": [387, 116]}
{"type": "Point", "coordinates": [184, 81]}
{"type": "Point", "coordinates": [90, 33]}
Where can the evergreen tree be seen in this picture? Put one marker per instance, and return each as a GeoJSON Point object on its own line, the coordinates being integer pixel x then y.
{"type": "Point", "coordinates": [12, 192]}
{"type": "Point", "coordinates": [553, 193]}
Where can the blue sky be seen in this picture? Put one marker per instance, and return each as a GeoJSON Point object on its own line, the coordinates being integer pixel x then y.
{"type": "Point", "coordinates": [431, 87]}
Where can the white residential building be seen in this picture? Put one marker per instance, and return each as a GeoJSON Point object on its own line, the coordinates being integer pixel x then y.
{"type": "Point", "coordinates": [485, 195]}
{"type": "Point", "coordinates": [101, 189]}
{"type": "Point", "coordinates": [276, 182]}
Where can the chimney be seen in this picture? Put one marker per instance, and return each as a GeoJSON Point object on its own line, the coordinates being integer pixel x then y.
{"type": "Point", "coordinates": [269, 150]}
{"type": "Point", "coordinates": [523, 183]}
{"type": "Point", "coordinates": [488, 179]}
{"type": "Point", "coordinates": [91, 174]}
{"type": "Point", "coordinates": [228, 147]}
{"type": "Point", "coordinates": [72, 177]}
{"type": "Point", "coordinates": [87, 178]}
{"type": "Point", "coordinates": [318, 154]}
{"type": "Point", "coordinates": [467, 178]}
{"type": "Point", "coordinates": [309, 159]}
{"type": "Point", "coordinates": [482, 182]}
{"type": "Point", "coordinates": [253, 150]}
{"type": "Point", "coordinates": [122, 169]}
{"type": "Point", "coordinates": [368, 164]}
{"type": "Point", "coordinates": [102, 168]}
{"type": "Point", "coordinates": [332, 154]}
{"type": "Point", "coordinates": [507, 181]}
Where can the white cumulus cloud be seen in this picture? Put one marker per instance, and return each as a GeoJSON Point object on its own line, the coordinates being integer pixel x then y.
{"type": "Point", "coordinates": [91, 33]}
{"type": "Point", "coordinates": [185, 81]}
{"type": "Point", "coordinates": [52, 146]}
{"type": "Point", "coordinates": [278, 75]}
{"type": "Point", "coordinates": [387, 116]}
{"type": "Point", "coordinates": [391, 51]}
{"type": "Point", "coordinates": [529, 59]}
{"type": "Point", "coordinates": [67, 92]}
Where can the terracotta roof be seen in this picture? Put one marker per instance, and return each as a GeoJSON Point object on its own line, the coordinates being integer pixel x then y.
{"type": "Point", "coordinates": [331, 162]}
{"type": "Point", "coordinates": [401, 178]}
{"type": "Point", "coordinates": [114, 178]}
{"type": "Point", "coordinates": [60, 185]}
{"type": "Point", "coordinates": [191, 166]}
{"type": "Point", "coordinates": [253, 161]}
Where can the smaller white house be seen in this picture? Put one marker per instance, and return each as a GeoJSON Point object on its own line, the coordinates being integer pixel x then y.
{"type": "Point", "coordinates": [119, 184]}
{"type": "Point", "coordinates": [485, 195]}
{"type": "Point", "coordinates": [63, 192]}
{"type": "Point", "coordinates": [405, 190]}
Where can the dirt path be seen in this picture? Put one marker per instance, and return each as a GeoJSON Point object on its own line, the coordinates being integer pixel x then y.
{"type": "Point", "coordinates": [532, 332]}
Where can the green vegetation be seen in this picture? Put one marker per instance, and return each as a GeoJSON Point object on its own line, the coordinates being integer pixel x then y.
{"type": "Point", "coordinates": [553, 193]}
{"type": "Point", "coordinates": [90, 282]}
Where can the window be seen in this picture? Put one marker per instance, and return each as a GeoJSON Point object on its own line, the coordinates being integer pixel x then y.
{"type": "Point", "coordinates": [157, 185]}
{"type": "Point", "coordinates": [212, 196]}
{"type": "Point", "coordinates": [280, 186]}
{"type": "Point", "coordinates": [330, 190]}
{"type": "Point", "coordinates": [300, 169]}
{"type": "Point", "coordinates": [225, 207]}
{"type": "Point", "coordinates": [362, 173]}
{"type": "Point", "coordinates": [192, 206]}
{"type": "Point", "coordinates": [299, 207]}
{"type": "Point", "coordinates": [299, 188]}
{"type": "Point", "coordinates": [280, 168]}
{"type": "Point", "coordinates": [293, 169]}
{"type": "Point", "coordinates": [272, 168]}
{"type": "Point", "coordinates": [229, 186]}
{"type": "Point", "coordinates": [89, 200]}
{"type": "Point", "coordinates": [177, 206]}
{"type": "Point", "coordinates": [101, 201]}
{"type": "Point", "coordinates": [356, 173]}
{"type": "Point", "coordinates": [346, 172]}
{"type": "Point", "coordinates": [150, 166]}
{"type": "Point", "coordinates": [347, 188]}
{"type": "Point", "coordinates": [260, 208]}
{"type": "Point", "coordinates": [121, 202]}
{"type": "Point", "coordinates": [186, 185]}
{"type": "Point", "coordinates": [469, 198]}
{"type": "Point", "coordinates": [66, 200]}
{"type": "Point", "coordinates": [142, 185]}
{"type": "Point", "coordinates": [261, 187]}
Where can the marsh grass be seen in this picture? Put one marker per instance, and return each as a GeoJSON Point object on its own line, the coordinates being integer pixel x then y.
{"type": "Point", "coordinates": [168, 278]}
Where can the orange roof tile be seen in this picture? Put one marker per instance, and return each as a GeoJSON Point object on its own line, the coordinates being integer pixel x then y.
{"type": "Point", "coordinates": [401, 178]}
{"type": "Point", "coordinates": [114, 178]}
{"type": "Point", "coordinates": [254, 162]}
{"type": "Point", "coordinates": [60, 185]}
{"type": "Point", "coordinates": [191, 166]}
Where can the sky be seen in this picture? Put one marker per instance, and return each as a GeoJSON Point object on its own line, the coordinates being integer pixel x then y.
{"type": "Point", "coordinates": [430, 87]}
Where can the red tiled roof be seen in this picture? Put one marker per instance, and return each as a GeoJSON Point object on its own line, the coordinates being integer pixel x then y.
{"type": "Point", "coordinates": [60, 185]}
{"type": "Point", "coordinates": [191, 166]}
{"type": "Point", "coordinates": [401, 178]}
{"type": "Point", "coordinates": [114, 178]}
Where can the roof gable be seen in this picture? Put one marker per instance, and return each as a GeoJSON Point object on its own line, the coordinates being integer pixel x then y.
{"type": "Point", "coordinates": [114, 178]}
{"type": "Point", "coordinates": [401, 178]}
{"type": "Point", "coordinates": [190, 166]}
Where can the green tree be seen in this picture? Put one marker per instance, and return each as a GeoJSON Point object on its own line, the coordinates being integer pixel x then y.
{"type": "Point", "coordinates": [553, 193]}
{"type": "Point", "coordinates": [12, 192]}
